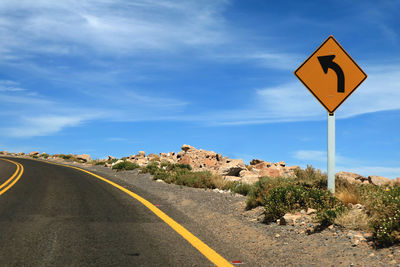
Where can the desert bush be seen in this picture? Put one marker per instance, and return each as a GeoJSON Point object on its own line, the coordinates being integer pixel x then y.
{"type": "Point", "coordinates": [237, 187]}
{"type": "Point", "coordinates": [383, 206]}
{"type": "Point", "coordinates": [97, 162]}
{"type": "Point", "coordinates": [125, 165]}
{"type": "Point", "coordinates": [44, 155]}
{"type": "Point", "coordinates": [111, 161]}
{"type": "Point", "coordinates": [260, 189]}
{"type": "Point", "coordinates": [35, 156]}
{"type": "Point", "coordinates": [151, 168]}
{"type": "Point", "coordinates": [310, 177]}
{"type": "Point", "coordinates": [291, 197]}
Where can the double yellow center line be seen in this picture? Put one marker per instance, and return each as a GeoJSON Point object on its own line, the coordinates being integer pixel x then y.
{"type": "Point", "coordinates": [13, 179]}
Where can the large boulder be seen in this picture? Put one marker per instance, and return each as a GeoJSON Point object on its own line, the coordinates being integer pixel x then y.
{"type": "Point", "coordinates": [379, 180]}
{"type": "Point", "coordinates": [84, 158]}
{"type": "Point", "coordinates": [142, 154]}
{"type": "Point", "coordinates": [187, 148]}
{"type": "Point", "coordinates": [34, 153]}
{"type": "Point", "coordinates": [248, 177]}
{"type": "Point", "coordinates": [232, 168]}
{"type": "Point", "coordinates": [353, 178]}
{"type": "Point", "coordinates": [199, 159]}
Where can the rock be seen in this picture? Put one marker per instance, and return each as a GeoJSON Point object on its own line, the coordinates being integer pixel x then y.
{"type": "Point", "coordinates": [368, 236]}
{"type": "Point", "coordinates": [352, 177]}
{"type": "Point", "coordinates": [5, 152]}
{"type": "Point", "coordinates": [84, 157]}
{"type": "Point", "coordinates": [218, 190]}
{"type": "Point", "coordinates": [291, 219]}
{"type": "Point", "coordinates": [118, 161]}
{"type": "Point", "coordinates": [110, 158]}
{"type": "Point", "coordinates": [233, 168]}
{"type": "Point", "coordinates": [232, 178]}
{"type": "Point", "coordinates": [359, 206]}
{"type": "Point", "coordinates": [277, 235]}
{"type": "Point", "coordinates": [282, 164]}
{"type": "Point", "coordinates": [142, 154]}
{"type": "Point", "coordinates": [358, 179]}
{"type": "Point", "coordinates": [378, 180]}
{"type": "Point", "coordinates": [187, 148]}
{"type": "Point", "coordinates": [311, 211]}
{"type": "Point", "coordinates": [153, 157]}
{"type": "Point", "coordinates": [248, 177]}
{"type": "Point", "coordinates": [256, 161]}
{"type": "Point", "coordinates": [34, 153]}
{"type": "Point", "coordinates": [160, 181]}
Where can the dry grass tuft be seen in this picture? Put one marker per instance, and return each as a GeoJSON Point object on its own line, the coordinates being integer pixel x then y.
{"type": "Point", "coordinates": [354, 219]}
{"type": "Point", "coordinates": [346, 192]}
{"type": "Point", "coordinates": [218, 181]}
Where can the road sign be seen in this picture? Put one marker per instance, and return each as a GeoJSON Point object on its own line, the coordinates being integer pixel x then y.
{"type": "Point", "coordinates": [330, 74]}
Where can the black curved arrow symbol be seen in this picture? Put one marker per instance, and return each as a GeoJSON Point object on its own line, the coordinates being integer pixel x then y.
{"type": "Point", "coordinates": [326, 63]}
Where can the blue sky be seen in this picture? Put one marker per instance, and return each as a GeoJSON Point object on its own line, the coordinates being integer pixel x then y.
{"type": "Point", "coordinates": [115, 77]}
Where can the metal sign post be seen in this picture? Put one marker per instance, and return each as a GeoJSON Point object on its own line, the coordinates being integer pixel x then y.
{"type": "Point", "coordinates": [331, 152]}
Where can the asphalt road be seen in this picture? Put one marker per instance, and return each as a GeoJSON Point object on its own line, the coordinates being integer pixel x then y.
{"type": "Point", "coordinates": [58, 216]}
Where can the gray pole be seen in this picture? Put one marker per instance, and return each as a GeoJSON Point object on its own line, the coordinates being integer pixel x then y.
{"type": "Point", "coordinates": [331, 152]}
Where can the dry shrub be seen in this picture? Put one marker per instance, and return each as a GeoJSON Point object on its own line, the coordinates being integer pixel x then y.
{"type": "Point", "coordinates": [218, 181]}
{"type": "Point", "coordinates": [346, 192]}
{"type": "Point", "coordinates": [354, 219]}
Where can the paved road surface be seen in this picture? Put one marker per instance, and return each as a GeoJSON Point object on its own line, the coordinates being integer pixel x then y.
{"type": "Point", "coordinates": [57, 216]}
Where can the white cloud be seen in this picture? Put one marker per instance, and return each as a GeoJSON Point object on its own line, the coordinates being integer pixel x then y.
{"type": "Point", "coordinates": [318, 158]}
{"type": "Point", "coordinates": [310, 155]}
{"type": "Point", "coordinates": [115, 27]}
{"type": "Point", "coordinates": [42, 125]}
{"type": "Point", "coordinates": [278, 60]}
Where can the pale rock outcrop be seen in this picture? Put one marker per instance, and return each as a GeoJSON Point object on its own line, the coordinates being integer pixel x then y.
{"type": "Point", "coordinates": [353, 177]}
{"type": "Point", "coordinates": [199, 159]}
{"type": "Point", "coordinates": [263, 168]}
{"type": "Point", "coordinates": [142, 154]}
{"type": "Point", "coordinates": [379, 180]}
{"type": "Point", "coordinates": [359, 179]}
{"type": "Point", "coordinates": [34, 153]}
{"type": "Point", "coordinates": [187, 148]}
{"type": "Point", "coordinates": [110, 158]}
{"type": "Point", "coordinates": [232, 168]}
{"type": "Point", "coordinates": [248, 177]}
{"type": "Point", "coordinates": [153, 157]}
{"type": "Point", "coordinates": [84, 157]}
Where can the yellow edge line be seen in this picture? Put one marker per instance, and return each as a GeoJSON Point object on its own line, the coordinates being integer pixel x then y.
{"type": "Point", "coordinates": [12, 177]}
{"type": "Point", "coordinates": [20, 168]}
{"type": "Point", "coordinates": [208, 252]}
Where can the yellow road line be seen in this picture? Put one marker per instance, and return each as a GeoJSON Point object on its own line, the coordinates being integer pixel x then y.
{"type": "Point", "coordinates": [18, 173]}
{"type": "Point", "coordinates": [208, 252]}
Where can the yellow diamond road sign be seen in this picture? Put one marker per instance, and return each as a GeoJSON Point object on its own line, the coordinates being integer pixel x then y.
{"type": "Point", "coordinates": [330, 74]}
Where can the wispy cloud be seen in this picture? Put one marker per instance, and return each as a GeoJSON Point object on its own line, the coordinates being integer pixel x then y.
{"type": "Point", "coordinates": [42, 125]}
{"type": "Point", "coordinates": [318, 158]}
{"type": "Point", "coordinates": [114, 27]}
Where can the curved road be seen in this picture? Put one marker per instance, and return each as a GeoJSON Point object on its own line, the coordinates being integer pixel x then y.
{"type": "Point", "coordinates": [57, 216]}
